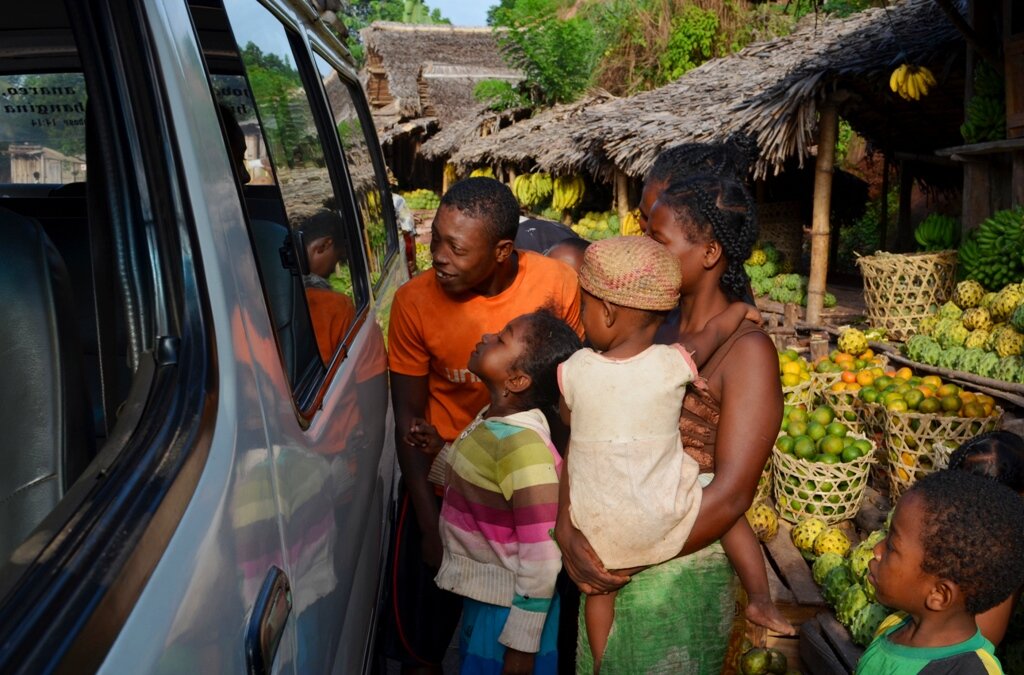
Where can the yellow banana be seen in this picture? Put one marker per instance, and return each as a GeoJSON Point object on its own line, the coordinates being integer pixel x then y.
{"type": "Point", "coordinates": [928, 77]}
{"type": "Point", "coordinates": [902, 77]}
{"type": "Point", "coordinates": [894, 82]}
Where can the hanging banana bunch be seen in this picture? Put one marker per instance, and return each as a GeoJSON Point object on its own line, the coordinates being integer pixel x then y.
{"type": "Point", "coordinates": [482, 172]}
{"type": "Point", "coordinates": [567, 192]}
{"type": "Point", "coordinates": [450, 174]}
{"type": "Point", "coordinates": [911, 82]}
{"type": "Point", "coordinates": [631, 224]}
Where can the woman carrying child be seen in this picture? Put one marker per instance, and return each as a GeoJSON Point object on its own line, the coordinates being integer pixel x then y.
{"type": "Point", "coordinates": [634, 492]}
{"type": "Point", "coordinates": [676, 615]}
{"type": "Point", "coordinates": [501, 500]}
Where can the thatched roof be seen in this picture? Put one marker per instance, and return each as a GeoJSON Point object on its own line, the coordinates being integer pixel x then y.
{"type": "Point", "coordinates": [480, 121]}
{"type": "Point", "coordinates": [539, 141]}
{"type": "Point", "coordinates": [430, 70]}
{"type": "Point", "coordinates": [772, 90]}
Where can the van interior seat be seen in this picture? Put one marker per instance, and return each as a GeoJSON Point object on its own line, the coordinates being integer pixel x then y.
{"type": "Point", "coordinates": [48, 436]}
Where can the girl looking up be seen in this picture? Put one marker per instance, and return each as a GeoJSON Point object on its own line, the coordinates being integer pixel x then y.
{"type": "Point", "coordinates": [501, 501]}
{"type": "Point", "coordinates": [634, 492]}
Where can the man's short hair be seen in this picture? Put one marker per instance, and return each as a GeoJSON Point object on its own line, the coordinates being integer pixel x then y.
{"type": "Point", "coordinates": [488, 200]}
{"type": "Point", "coordinates": [972, 535]}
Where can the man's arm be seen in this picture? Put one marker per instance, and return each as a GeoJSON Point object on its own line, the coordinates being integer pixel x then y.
{"type": "Point", "coordinates": [409, 399]}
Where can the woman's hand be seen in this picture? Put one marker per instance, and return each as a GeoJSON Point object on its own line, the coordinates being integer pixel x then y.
{"type": "Point", "coordinates": [424, 436]}
{"type": "Point", "coordinates": [581, 562]}
{"type": "Point", "coordinates": [518, 663]}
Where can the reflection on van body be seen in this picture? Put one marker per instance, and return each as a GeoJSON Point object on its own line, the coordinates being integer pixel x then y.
{"type": "Point", "coordinates": [232, 511]}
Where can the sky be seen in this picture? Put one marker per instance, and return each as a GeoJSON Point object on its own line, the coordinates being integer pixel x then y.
{"type": "Point", "coordinates": [463, 12]}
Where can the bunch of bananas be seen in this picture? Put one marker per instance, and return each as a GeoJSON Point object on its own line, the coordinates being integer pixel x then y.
{"type": "Point", "coordinates": [993, 254]}
{"type": "Point", "coordinates": [911, 82]}
{"type": "Point", "coordinates": [532, 189]}
{"type": "Point", "coordinates": [567, 192]}
{"type": "Point", "coordinates": [482, 172]}
{"type": "Point", "coordinates": [450, 174]}
{"type": "Point", "coordinates": [937, 233]}
{"type": "Point", "coordinates": [985, 116]}
{"type": "Point", "coordinates": [631, 224]}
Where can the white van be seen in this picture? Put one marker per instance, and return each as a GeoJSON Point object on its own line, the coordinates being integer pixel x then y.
{"type": "Point", "coordinates": [198, 256]}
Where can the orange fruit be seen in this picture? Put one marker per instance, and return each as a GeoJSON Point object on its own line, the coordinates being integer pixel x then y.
{"type": "Point", "coordinates": [865, 378]}
{"type": "Point", "coordinates": [947, 389]}
{"type": "Point", "coordinates": [950, 403]}
{"type": "Point", "coordinates": [933, 381]}
{"type": "Point", "coordinates": [849, 376]}
{"type": "Point", "coordinates": [843, 356]}
{"type": "Point", "coordinates": [867, 355]}
{"type": "Point", "coordinates": [904, 373]}
{"type": "Point", "coordinates": [967, 396]}
{"type": "Point", "coordinates": [973, 409]}
{"type": "Point", "coordinates": [837, 387]}
{"type": "Point", "coordinates": [926, 390]}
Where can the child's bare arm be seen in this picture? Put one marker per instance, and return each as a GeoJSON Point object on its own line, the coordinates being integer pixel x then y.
{"type": "Point", "coordinates": [706, 342]}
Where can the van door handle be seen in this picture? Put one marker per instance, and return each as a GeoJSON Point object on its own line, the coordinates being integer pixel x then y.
{"type": "Point", "coordinates": [266, 623]}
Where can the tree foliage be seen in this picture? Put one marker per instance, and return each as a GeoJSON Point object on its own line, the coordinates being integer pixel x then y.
{"type": "Point", "coordinates": [361, 13]}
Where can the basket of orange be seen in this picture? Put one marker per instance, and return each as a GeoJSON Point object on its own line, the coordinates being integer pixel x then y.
{"type": "Point", "coordinates": [819, 467]}
{"type": "Point", "coordinates": [924, 417]}
{"type": "Point", "coordinates": [795, 376]}
{"type": "Point", "coordinates": [840, 366]}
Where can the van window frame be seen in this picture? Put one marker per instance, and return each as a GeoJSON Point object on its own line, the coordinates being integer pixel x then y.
{"type": "Point", "coordinates": [65, 606]}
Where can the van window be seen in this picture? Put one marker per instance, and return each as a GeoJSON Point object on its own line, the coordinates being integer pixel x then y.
{"type": "Point", "coordinates": [271, 127]}
{"type": "Point", "coordinates": [366, 176]}
{"type": "Point", "coordinates": [42, 128]}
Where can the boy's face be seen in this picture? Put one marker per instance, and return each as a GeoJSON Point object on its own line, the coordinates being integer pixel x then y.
{"type": "Point", "coordinates": [322, 256]}
{"type": "Point", "coordinates": [465, 256]}
{"type": "Point", "coordinates": [896, 569]}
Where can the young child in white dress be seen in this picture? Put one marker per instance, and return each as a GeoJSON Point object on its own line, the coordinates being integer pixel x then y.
{"type": "Point", "coordinates": [633, 491]}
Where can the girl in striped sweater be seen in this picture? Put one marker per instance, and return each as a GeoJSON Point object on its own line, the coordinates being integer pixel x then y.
{"type": "Point", "coordinates": [501, 501]}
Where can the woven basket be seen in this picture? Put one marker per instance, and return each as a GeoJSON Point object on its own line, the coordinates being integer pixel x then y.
{"type": "Point", "coordinates": [911, 437]}
{"type": "Point", "coordinates": [820, 382]}
{"type": "Point", "coordinates": [900, 289]}
{"type": "Point", "coordinates": [782, 225]}
{"type": "Point", "coordinates": [799, 394]}
{"type": "Point", "coordinates": [764, 483]}
{"type": "Point", "coordinates": [845, 405]}
{"type": "Point", "coordinates": [832, 492]}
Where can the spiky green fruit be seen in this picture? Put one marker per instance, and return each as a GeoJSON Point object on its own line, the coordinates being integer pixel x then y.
{"type": "Point", "coordinates": [836, 583]}
{"type": "Point", "coordinates": [763, 521]}
{"type": "Point", "coordinates": [1009, 343]}
{"type": "Point", "coordinates": [977, 317]}
{"type": "Point", "coordinates": [968, 294]}
{"type": "Point", "coordinates": [850, 603]}
{"type": "Point", "coordinates": [866, 623]}
{"type": "Point", "coordinates": [824, 565]}
{"type": "Point", "coordinates": [852, 341]}
{"type": "Point", "coordinates": [950, 311]}
{"type": "Point", "coordinates": [805, 532]}
{"type": "Point", "coordinates": [831, 540]}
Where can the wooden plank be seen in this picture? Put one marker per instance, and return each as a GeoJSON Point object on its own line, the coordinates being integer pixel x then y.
{"type": "Point", "coordinates": [816, 654]}
{"type": "Point", "coordinates": [837, 636]}
{"type": "Point", "coordinates": [793, 569]}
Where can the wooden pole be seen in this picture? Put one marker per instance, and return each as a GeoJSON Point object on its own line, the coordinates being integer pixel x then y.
{"type": "Point", "coordinates": [883, 215]}
{"type": "Point", "coordinates": [828, 130]}
{"type": "Point", "coordinates": [905, 233]}
{"type": "Point", "coordinates": [621, 194]}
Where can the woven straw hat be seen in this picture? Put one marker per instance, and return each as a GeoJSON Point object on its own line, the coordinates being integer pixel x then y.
{"type": "Point", "coordinates": [635, 272]}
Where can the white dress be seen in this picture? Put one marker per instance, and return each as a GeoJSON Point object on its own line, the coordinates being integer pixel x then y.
{"type": "Point", "coordinates": [633, 490]}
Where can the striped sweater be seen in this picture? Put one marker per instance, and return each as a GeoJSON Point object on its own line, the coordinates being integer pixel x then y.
{"type": "Point", "coordinates": [500, 503]}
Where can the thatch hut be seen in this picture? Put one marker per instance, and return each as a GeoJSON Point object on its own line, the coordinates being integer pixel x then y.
{"type": "Point", "coordinates": [419, 79]}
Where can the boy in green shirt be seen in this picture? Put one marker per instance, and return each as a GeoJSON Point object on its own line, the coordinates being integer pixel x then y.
{"type": "Point", "coordinates": [955, 548]}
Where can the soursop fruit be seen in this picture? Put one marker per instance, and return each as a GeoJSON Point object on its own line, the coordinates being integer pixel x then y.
{"type": "Point", "coordinates": [949, 357]}
{"type": "Point", "coordinates": [956, 336]}
{"type": "Point", "coordinates": [1006, 303]}
{"type": "Point", "coordinates": [866, 623]}
{"type": "Point", "coordinates": [1008, 369]}
{"type": "Point", "coordinates": [1009, 343]}
{"type": "Point", "coordinates": [805, 532]}
{"type": "Point", "coordinates": [968, 294]}
{"type": "Point", "coordinates": [977, 317]}
{"type": "Point", "coordinates": [977, 339]}
{"type": "Point", "coordinates": [1017, 318]}
{"type": "Point", "coordinates": [986, 300]}
{"type": "Point", "coordinates": [927, 325]}
{"type": "Point", "coordinates": [824, 565]}
{"type": "Point", "coordinates": [757, 257]}
{"type": "Point", "coordinates": [831, 540]}
{"type": "Point", "coordinates": [850, 603]}
{"type": "Point", "coordinates": [763, 521]}
{"type": "Point", "coordinates": [836, 583]}
{"type": "Point", "coordinates": [950, 311]}
{"type": "Point", "coordinates": [971, 360]}
{"type": "Point", "coordinates": [860, 556]}
{"type": "Point", "coordinates": [988, 365]}
{"type": "Point", "coordinates": [852, 341]}
{"type": "Point", "coordinates": [916, 346]}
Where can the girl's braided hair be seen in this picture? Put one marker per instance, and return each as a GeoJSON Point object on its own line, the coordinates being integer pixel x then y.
{"type": "Point", "coordinates": [711, 208]}
{"type": "Point", "coordinates": [547, 342]}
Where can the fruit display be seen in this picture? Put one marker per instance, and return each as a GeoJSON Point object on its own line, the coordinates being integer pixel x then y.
{"type": "Point", "coordinates": [532, 189]}
{"type": "Point", "coordinates": [631, 224]}
{"type": "Point", "coordinates": [450, 173]}
{"type": "Point", "coordinates": [763, 521]}
{"type": "Point", "coordinates": [976, 332]}
{"type": "Point", "coordinates": [986, 111]}
{"type": "Point", "coordinates": [770, 276]}
{"type": "Point", "coordinates": [937, 233]}
{"type": "Point", "coordinates": [594, 225]}
{"type": "Point", "coordinates": [795, 374]}
{"type": "Point", "coordinates": [762, 661]}
{"type": "Point", "coordinates": [911, 82]}
{"type": "Point", "coordinates": [567, 192]}
{"type": "Point", "coordinates": [993, 253]}
{"type": "Point", "coordinates": [424, 261]}
{"type": "Point", "coordinates": [819, 467]}
{"type": "Point", "coordinates": [482, 172]}
{"type": "Point", "coordinates": [421, 199]}
{"type": "Point", "coordinates": [804, 534]}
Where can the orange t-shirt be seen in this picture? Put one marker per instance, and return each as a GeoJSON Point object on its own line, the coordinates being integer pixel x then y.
{"type": "Point", "coordinates": [332, 314]}
{"type": "Point", "coordinates": [431, 334]}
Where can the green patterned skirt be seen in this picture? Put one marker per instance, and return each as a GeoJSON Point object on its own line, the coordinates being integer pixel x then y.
{"type": "Point", "coordinates": [671, 618]}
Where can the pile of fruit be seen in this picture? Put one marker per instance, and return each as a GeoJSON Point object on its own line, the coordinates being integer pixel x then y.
{"type": "Point", "coordinates": [421, 199]}
{"type": "Point", "coordinates": [976, 332]}
{"type": "Point", "coordinates": [911, 82]}
{"type": "Point", "coordinates": [993, 253]}
{"type": "Point", "coordinates": [532, 189]}
{"type": "Point", "coordinates": [482, 172]}
{"type": "Point", "coordinates": [762, 661]}
{"type": "Point", "coordinates": [567, 192]}
{"type": "Point", "coordinates": [986, 111]}
{"type": "Point", "coordinates": [596, 226]}
{"type": "Point", "coordinates": [819, 436]}
{"type": "Point", "coordinates": [793, 368]}
{"type": "Point", "coordinates": [905, 392]}
{"type": "Point", "coordinates": [771, 276]}
{"type": "Point", "coordinates": [937, 233]}
{"type": "Point", "coordinates": [841, 572]}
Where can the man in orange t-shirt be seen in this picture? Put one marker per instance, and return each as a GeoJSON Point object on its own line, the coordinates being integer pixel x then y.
{"type": "Point", "coordinates": [479, 282]}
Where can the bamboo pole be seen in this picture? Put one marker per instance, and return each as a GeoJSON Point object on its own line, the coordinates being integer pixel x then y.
{"type": "Point", "coordinates": [621, 194]}
{"type": "Point", "coordinates": [828, 129]}
{"type": "Point", "coordinates": [883, 215]}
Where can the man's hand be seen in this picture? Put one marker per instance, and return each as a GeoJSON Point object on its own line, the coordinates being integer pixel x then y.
{"type": "Point", "coordinates": [424, 436]}
{"type": "Point", "coordinates": [518, 663]}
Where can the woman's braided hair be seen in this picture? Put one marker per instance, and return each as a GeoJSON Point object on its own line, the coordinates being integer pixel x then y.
{"type": "Point", "coordinates": [732, 158]}
{"type": "Point", "coordinates": [711, 208]}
